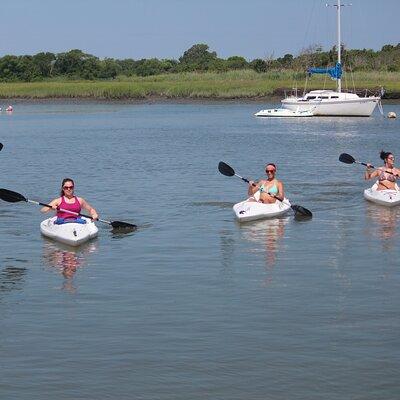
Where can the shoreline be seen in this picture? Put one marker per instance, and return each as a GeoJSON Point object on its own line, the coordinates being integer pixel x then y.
{"type": "Point", "coordinates": [154, 100]}
{"type": "Point", "coordinates": [239, 86]}
{"type": "Point", "coordinates": [145, 100]}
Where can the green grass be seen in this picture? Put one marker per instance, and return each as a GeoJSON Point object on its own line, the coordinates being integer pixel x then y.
{"type": "Point", "coordinates": [229, 85]}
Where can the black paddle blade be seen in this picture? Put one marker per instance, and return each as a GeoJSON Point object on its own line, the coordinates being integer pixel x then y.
{"type": "Point", "coordinates": [123, 225]}
{"type": "Point", "coordinates": [300, 211]}
{"type": "Point", "coordinates": [346, 158]}
{"type": "Point", "coordinates": [225, 169]}
{"type": "Point", "coordinates": [1, 146]}
{"type": "Point", "coordinates": [11, 197]}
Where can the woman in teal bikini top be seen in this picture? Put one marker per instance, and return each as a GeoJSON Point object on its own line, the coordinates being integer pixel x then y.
{"type": "Point", "coordinates": [267, 190]}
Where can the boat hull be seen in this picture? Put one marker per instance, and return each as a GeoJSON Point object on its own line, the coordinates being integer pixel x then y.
{"type": "Point", "coordinates": [388, 198]}
{"type": "Point", "coordinates": [250, 210]}
{"type": "Point", "coordinates": [72, 234]}
{"type": "Point", "coordinates": [361, 107]}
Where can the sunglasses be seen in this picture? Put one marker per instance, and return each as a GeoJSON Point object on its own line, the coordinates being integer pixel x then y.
{"type": "Point", "coordinates": [68, 187]}
{"type": "Point", "coordinates": [270, 171]}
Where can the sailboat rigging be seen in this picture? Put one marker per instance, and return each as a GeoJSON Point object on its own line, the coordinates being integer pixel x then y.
{"type": "Point", "coordinates": [332, 102]}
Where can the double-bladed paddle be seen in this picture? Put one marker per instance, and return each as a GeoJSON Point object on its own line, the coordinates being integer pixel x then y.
{"type": "Point", "coordinates": [14, 197]}
{"type": "Point", "coordinates": [227, 170]}
{"type": "Point", "coordinates": [348, 159]}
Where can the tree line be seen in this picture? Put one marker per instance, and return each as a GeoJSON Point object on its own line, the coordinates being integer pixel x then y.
{"type": "Point", "coordinates": [75, 64]}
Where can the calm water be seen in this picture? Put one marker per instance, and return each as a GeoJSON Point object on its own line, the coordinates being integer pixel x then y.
{"type": "Point", "coordinates": [193, 305]}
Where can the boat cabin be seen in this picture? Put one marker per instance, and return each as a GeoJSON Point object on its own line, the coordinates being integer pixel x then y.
{"type": "Point", "coordinates": [321, 95]}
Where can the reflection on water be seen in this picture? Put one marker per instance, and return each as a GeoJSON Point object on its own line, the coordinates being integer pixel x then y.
{"type": "Point", "coordinates": [383, 224]}
{"type": "Point", "coordinates": [227, 250]}
{"type": "Point", "coordinates": [266, 236]}
{"type": "Point", "coordinates": [11, 278]}
{"type": "Point", "coordinates": [121, 233]}
{"type": "Point", "coordinates": [219, 204]}
{"type": "Point", "coordinates": [67, 260]}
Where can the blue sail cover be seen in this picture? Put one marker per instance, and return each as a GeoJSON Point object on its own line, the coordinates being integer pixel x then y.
{"type": "Point", "coordinates": [334, 72]}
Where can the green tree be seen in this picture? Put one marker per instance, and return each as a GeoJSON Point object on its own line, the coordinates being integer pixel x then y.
{"type": "Point", "coordinates": [9, 68]}
{"type": "Point", "coordinates": [169, 65]}
{"type": "Point", "coordinates": [18, 68]}
{"type": "Point", "coordinates": [218, 65]}
{"type": "Point", "coordinates": [44, 62]}
{"type": "Point", "coordinates": [76, 63]}
{"type": "Point", "coordinates": [109, 68]}
{"type": "Point", "coordinates": [286, 61]}
{"type": "Point", "coordinates": [90, 69]}
{"type": "Point", "coordinates": [147, 67]}
{"type": "Point", "coordinates": [236, 62]}
{"type": "Point", "coordinates": [197, 58]}
{"type": "Point", "coordinates": [26, 70]}
{"type": "Point", "coordinates": [154, 66]}
{"type": "Point", "coordinates": [127, 66]}
{"type": "Point", "coordinates": [258, 65]}
{"type": "Point", "coordinates": [388, 47]}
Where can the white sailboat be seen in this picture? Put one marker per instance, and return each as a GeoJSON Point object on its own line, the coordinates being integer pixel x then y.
{"type": "Point", "coordinates": [331, 102]}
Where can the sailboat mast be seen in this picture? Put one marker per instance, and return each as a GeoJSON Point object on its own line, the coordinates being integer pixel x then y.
{"type": "Point", "coordinates": [339, 45]}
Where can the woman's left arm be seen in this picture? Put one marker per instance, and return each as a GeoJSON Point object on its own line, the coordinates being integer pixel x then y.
{"type": "Point", "coordinates": [281, 192]}
{"type": "Point", "coordinates": [89, 208]}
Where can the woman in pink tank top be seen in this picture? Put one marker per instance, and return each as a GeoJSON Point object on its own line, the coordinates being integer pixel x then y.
{"type": "Point", "coordinates": [69, 202]}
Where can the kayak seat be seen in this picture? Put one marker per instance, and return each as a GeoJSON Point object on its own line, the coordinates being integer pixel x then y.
{"type": "Point", "coordinates": [61, 221]}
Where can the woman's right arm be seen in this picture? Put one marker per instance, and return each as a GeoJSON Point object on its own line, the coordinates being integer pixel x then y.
{"type": "Point", "coordinates": [370, 173]}
{"type": "Point", "coordinates": [54, 204]}
{"type": "Point", "coordinates": [252, 189]}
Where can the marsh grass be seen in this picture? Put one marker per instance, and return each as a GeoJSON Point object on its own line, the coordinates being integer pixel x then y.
{"type": "Point", "coordinates": [227, 85]}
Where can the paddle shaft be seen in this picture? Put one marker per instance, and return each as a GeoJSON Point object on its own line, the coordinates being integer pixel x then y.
{"type": "Point", "coordinates": [244, 179]}
{"type": "Point", "coordinates": [363, 163]}
{"type": "Point", "coordinates": [372, 167]}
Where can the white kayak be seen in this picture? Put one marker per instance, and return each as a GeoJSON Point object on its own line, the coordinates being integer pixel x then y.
{"type": "Point", "coordinates": [388, 198]}
{"type": "Point", "coordinates": [70, 233]}
{"type": "Point", "coordinates": [250, 210]}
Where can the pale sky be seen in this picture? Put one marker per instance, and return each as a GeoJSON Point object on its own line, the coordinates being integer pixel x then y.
{"type": "Point", "coordinates": [166, 28]}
